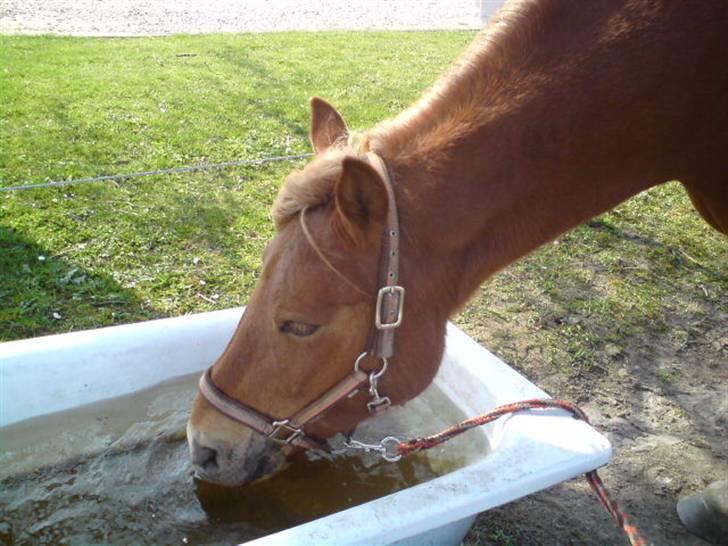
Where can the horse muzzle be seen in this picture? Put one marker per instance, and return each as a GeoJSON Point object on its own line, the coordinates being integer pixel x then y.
{"type": "Point", "coordinates": [248, 457]}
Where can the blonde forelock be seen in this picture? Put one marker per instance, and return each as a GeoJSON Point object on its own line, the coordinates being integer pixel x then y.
{"type": "Point", "coordinates": [314, 184]}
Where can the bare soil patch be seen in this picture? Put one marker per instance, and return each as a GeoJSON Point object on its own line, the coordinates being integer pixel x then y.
{"type": "Point", "coordinates": [658, 389]}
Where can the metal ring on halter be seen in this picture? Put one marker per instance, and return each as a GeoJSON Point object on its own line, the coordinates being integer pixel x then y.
{"type": "Point", "coordinates": [390, 453]}
{"type": "Point", "coordinates": [372, 374]}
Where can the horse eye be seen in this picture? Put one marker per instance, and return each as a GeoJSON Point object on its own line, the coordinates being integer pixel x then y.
{"type": "Point", "coordinates": [298, 329]}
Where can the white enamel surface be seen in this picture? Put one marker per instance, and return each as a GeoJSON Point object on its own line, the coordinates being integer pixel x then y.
{"type": "Point", "coordinates": [529, 452]}
{"type": "Point", "coordinates": [54, 373]}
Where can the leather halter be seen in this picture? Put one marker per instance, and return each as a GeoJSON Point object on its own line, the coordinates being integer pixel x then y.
{"type": "Point", "coordinates": [388, 316]}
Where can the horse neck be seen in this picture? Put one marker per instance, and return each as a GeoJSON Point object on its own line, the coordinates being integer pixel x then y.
{"type": "Point", "coordinates": [492, 201]}
{"type": "Point", "coordinates": [532, 133]}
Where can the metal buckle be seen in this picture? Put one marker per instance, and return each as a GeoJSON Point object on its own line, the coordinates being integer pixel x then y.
{"type": "Point", "coordinates": [287, 428]}
{"type": "Point", "coordinates": [389, 291]}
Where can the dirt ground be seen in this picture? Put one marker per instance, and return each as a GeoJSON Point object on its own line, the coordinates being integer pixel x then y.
{"type": "Point", "coordinates": [661, 399]}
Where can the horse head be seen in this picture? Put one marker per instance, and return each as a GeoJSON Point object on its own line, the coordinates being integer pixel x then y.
{"type": "Point", "coordinates": [309, 318]}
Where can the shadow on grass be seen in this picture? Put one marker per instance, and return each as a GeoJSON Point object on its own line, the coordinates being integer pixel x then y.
{"type": "Point", "coordinates": [270, 86]}
{"type": "Point", "coordinates": [679, 257]}
{"type": "Point", "coordinates": [41, 293]}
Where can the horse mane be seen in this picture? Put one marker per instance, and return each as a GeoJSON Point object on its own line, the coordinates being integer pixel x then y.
{"type": "Point", "coordinates": [473, 91]}
{"type": "Point", "coordinates": [469, 95]}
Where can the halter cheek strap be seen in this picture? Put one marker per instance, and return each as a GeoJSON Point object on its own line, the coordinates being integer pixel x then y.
{"type": "Point", "coordinates": [389, 309]}
{"type": "Point", "coordinates": [387, 318]}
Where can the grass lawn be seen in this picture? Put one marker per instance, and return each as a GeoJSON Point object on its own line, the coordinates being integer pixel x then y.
{"type": "Point", "coordinates": [85, 256]}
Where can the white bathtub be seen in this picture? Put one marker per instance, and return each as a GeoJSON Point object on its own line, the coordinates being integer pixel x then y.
{"type": "Point", "coordinates": [529, 452]}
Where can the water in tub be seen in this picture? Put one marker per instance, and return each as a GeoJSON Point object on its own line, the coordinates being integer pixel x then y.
{"type": "Point", "coordinates": [118, 472]}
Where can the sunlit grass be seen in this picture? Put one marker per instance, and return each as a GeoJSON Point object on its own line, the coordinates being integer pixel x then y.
{"type": "Point", "coordinates": [85, 256]}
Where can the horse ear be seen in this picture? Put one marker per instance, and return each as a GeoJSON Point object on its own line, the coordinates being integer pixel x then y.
{"type": "Point", "coordinates": [361, 201]}
{"type": "Point", "coordinates": [327, 125]}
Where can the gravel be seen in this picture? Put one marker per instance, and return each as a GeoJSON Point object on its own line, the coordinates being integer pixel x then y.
{"type": "Point", "coordinates": [161, 17]}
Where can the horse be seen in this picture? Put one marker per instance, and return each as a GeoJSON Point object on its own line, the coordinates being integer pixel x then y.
{"type": "Point", "coordinates": [557, 112]}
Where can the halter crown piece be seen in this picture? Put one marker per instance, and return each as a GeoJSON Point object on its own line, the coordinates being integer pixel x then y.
{"type": "Point", "coordinates": [388, 315]}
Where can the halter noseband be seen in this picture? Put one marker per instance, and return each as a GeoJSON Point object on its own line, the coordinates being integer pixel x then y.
{"type": "Point", "coordinates": [387, 317]}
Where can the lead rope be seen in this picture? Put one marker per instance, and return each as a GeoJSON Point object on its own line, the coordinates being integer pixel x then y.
{"type": "Point", "coordinates": [391, 449]}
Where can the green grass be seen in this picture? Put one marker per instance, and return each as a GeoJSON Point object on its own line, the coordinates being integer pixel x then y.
{"type": "Point", "coordinates": [85, 256]}
{"type": "Point", "coordinates": [77, 107]}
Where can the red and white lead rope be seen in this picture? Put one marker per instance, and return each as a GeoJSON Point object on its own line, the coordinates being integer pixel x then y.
{"type": "Point", "coordinates": [419, 444]}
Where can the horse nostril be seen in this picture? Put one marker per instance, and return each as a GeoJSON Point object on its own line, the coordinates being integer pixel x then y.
{"type": "Point", "coordinates": [204, 457]}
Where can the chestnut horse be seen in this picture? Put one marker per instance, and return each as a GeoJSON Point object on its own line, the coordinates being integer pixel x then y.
{"type": "Point", "coordinates": [559, 111]}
